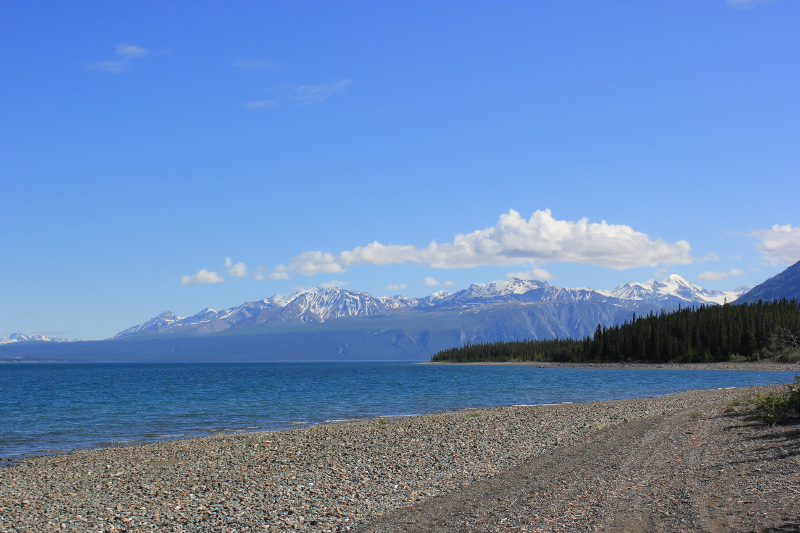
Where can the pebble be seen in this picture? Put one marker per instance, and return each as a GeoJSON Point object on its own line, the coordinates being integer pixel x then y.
{"type": "Point", "coordinates": [326, 478]}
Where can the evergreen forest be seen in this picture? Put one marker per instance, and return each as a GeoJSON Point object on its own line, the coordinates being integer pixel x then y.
{"type": "Point", "coordinates": [741, 332]}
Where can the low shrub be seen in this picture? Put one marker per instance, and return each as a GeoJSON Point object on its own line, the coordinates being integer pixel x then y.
{"type": "Point", "coordinates": [776, 407]}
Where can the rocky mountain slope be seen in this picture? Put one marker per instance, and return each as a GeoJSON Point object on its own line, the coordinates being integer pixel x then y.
{"type": "Point", "coordinates": [784, 285]}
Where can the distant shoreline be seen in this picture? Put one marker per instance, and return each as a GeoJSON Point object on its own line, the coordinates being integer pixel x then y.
{"type": "Point", "coordinates": [753, 366]}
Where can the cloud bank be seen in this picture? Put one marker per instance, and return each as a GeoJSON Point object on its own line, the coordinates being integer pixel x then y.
{"type": "Point", "coordinates": [512, 241]}
{"type": "Point", "coordinates": [780, 244]}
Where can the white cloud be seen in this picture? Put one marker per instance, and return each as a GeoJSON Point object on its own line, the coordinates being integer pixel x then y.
{"type": "Point", "coordinates": [203, 277]}
{"type": "Point", "coordinates": [124, 52]}
{"type": "Point", "coordinates": [301, 95]}
{"type": "Point", "coordinates": [310, 263]}
{"type": "Point", "coordinates": [254, 64]}
{"type": "Point", "coordinates": [397, 287]}
{"type": "Point", "coordinates": [238, 270]}
{"type": "Point", "coordinates": [780, 244]}
{"type": "Point", "coordinates": [512, 241]}
{"type": "Point", "coordinates": [430, 281]}
{"type": "Point", "coordinates": [279, 275]}
{"type": "Point", "coordinates": [534, 273]}
{"type": "Point", "coordinates": [130, 50]}
{"type": "Point", "coordinates": [333, 284]}
{"type": "Point", "coordinates": [719, 276]}
{"type": "Point", "coordinates": [449, 283]}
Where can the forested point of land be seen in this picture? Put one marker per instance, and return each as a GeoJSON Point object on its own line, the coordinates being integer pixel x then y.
{"type": "Point", "coordinates": [717, 333]}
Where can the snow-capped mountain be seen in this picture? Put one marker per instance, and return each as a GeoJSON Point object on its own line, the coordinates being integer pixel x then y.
{"type": "Point", "coordinates": [519, 290]}
{"type": "Point", "coordinates": [315, 306]}
{"type": "Point", "coordinates": [325, 304]}
{"type": "Point", "coordinates": [497, 289]}
{"type": "Point", "coordinates": [27, 337]}
{"type": "Point", "coordinates": [321, 305]}
{"type": "Point", "coordinates": [671, 291]}
{"type": "Point", "coordinates": [154, 325]}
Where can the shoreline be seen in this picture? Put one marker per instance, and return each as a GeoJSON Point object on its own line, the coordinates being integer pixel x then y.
{"type": "Point", "coordinates": [7, 460]}
{"type": "Point", "coordinates": [112, 432]}
{"type": "Point", "coordinates": [328, 477]}
{"type": "Point", "coordinates": [753, 366]}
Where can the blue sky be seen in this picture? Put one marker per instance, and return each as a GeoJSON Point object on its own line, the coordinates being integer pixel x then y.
{"type": "Point", "coordinates": [177, 155]}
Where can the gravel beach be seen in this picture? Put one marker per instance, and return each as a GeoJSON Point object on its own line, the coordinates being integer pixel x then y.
{"type": "Point", "coordinates": [673, 463]}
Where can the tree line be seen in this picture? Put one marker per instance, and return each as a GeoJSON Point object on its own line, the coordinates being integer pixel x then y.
{"type": "Point", "coordinates": [762, 330]}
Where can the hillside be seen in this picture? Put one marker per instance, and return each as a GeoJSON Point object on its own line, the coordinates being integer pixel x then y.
{"type": "Point", "coordinates": [784, 285]}
{"type": "Point", "coordinates": [719, 333]}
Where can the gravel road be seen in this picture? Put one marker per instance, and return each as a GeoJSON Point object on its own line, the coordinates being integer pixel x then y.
{"type": "Point", "coordinates": [682, 470]}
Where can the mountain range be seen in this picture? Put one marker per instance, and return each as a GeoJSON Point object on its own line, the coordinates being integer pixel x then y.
{"type": "Point", "coordinates": [27, 337]}
{"type": "Point", "coordinates": [338, 324]}
{"type": "Point", "coordinates": [321, 305]}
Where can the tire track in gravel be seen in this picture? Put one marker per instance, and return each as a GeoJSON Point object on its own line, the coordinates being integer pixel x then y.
{"type": "Point", "coordinates": [673, 472]}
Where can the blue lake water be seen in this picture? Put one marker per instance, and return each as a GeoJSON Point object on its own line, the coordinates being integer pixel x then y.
{"type": "Point", "coordinates": [47, 408]}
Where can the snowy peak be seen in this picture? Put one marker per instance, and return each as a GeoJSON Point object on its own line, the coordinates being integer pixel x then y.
{"type": "Point", "coordinates": [205, 313]}
{"type": "Point", "coordinates": [324, 304]}
{"type": "Point", "coordinates": [154, 325]}
{"type": "Point", "coordinates": [519, 290]}
{"type": "Point", "coordinates": [672, 290]}
{"type": "Point", "coordinates": [29, 337]}
{"type": "Point", "coordinates": [506, 287]}
{"type": "Point", "coordinates": [282, 300]}
{"type": "Point", "coordinates": [244, 311]}
{"type": "Point", "coordinates": [436, 297]}
{"type": "Point", "coordinates": [496, 290]}
{"type": "Point", "coordinates": [676, 285]}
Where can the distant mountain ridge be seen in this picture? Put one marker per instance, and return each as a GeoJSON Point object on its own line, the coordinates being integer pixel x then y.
{"type": "Point", "coordinates": [784, 285]}
{"type": "Point", "coordinates": [321, 305]}
{"type": "Point", "coordinates": [29, 337]}
{"type": "Point", "coordinates": [342, 325]}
